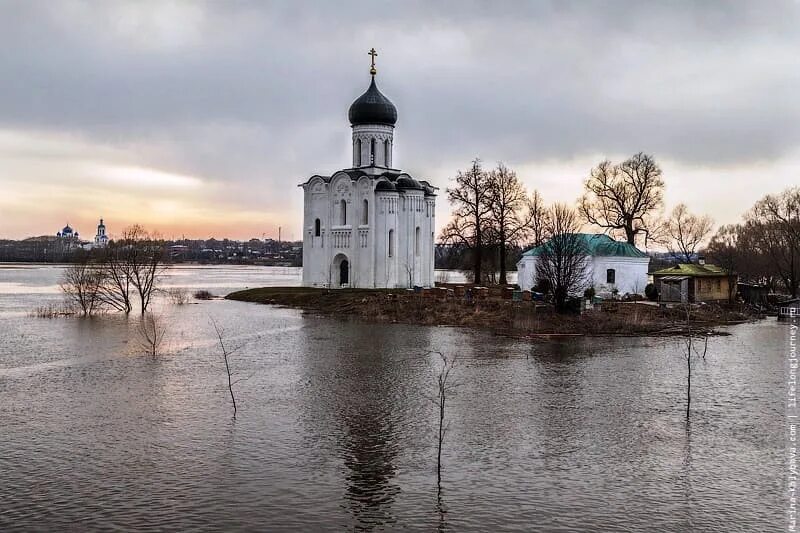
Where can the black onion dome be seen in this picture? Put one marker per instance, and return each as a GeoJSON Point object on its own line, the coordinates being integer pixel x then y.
{"type": "Point", "coordinates": [372, 108]}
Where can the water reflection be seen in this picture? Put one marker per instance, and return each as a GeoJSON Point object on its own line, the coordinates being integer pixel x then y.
{"type": "Point", "coordinates": [360, 390]}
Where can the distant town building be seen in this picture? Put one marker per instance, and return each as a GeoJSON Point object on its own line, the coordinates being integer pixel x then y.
{"type": "Point", "coordinates": [615, 267]}
{"type": "Point", "coordinates": [370, 225]}
{"type": "Point", "coordinates": [101, 239]}
{"type": "Point", "coordinates": [690, 283]}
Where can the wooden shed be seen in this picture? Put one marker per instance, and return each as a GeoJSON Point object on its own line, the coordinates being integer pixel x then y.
{"type": "Point", "coordinates": [690, 283]}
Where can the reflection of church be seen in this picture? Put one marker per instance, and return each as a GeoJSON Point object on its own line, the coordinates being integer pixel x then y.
{"type": "Point", "coordinates": [370, 225]}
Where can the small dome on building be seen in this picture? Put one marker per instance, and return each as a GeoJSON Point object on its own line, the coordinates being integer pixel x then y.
{"type": "Point", "coordinates": [385, 186]}
{"type": "Point", "coordinates": [407, 182]}
{"type": "Point", "coordinates": [67, 230]}
{"type": "Point", "coordinates": [372, 107]}
{"type": "Point", "coordinates": [429, 190]}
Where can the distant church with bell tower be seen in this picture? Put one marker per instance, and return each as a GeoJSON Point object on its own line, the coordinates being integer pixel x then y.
{"type": "Point", "coordinates": [371, 225]}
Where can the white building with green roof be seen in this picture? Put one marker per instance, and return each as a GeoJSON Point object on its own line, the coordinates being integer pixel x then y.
{"type": "Point", "coordinates": [614, 265]}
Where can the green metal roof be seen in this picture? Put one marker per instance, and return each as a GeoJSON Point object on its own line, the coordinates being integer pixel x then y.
{"type": "Point", "coordinates": [690, 269]}
{"type": "Point", "coordinates": [598, 244]}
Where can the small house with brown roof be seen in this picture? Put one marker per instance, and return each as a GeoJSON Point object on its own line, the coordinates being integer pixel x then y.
{"type": "Point", "coordinates": [691, 283]}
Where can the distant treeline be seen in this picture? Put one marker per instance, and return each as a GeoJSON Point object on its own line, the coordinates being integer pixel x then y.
{"type": "Point", "coordinates": [50, 249]}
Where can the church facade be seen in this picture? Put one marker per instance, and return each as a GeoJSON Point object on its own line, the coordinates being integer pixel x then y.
{"type": "Point", "coordinates": [371, 225]}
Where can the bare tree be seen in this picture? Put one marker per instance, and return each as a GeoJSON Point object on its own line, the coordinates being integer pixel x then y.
{"type": "Point", "coordinates": [82, 283]}
{"type": "Point", "coordinates": [145, 262]}
{"type": "Point", "coordinates": [409, 269]}
{"type": "Point", "coordinates": [563, 261]}
{"type": "Point", "coordinates": [509, 210]}
{"type": "Point", "coordinates": [776, 221]}
{"type": "Point", "coordinates": [152, 332]}
{"type": "Point", "coordinates": [538, 219]}
{"type": "Point", "coordinates": [226, 353]}
{"type": "Point", "coordinates": [723, 250]}
{"type": "Point", "coordinates": [691, 354]}
{"type": "Point", "coordinates": [625, 198]}
{"type": "Point", "coordinates": [116, 290]}
{"type": "Point", "coordinates": [688, 355]}
{"type": "Point", "coordinates": [471, 210]}
{"type": "Point", "coordinates": [687, 231]}
{"type": "Point", "coordinates": [178, 295]}
{"type": "Point", "coordinates": [444, 387]}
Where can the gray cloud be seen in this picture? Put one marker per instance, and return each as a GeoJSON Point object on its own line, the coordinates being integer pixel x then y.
{"type": "Point", "coordinates": [255, 94]}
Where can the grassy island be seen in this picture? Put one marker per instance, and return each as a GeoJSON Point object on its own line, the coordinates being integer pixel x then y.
{"type": "Point", "coordinates": [501, 316]}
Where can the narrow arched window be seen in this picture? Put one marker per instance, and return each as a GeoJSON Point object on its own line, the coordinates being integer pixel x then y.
{"type": "Point", "coordinates": [391, 242]}
{"type": "Point", "coordinates": [317, 228]}
{"type": "Point", "coordinates": [365, 214]}
{"type": "Point", "coordinates": [611, 275]}
{"type": "Point", "coordinates": [386, 153]}
{"type": "Point", "coordinates": [342, 212]}
{"type": "Point", "coordinates": [416, 241]}
{"type": "Point", "coordinates": [358, 152]}
{"type": "Point", "coordinates": [372, 152]}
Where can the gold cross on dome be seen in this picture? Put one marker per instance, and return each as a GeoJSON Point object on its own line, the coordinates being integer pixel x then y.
{"type": "Point", "coordinates": [372, 53]}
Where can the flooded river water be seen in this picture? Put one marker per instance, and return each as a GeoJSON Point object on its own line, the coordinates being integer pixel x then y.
{"type": "Point", "coordinates": [336, 431]}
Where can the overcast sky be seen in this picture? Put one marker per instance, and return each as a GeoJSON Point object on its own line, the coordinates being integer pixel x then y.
{"type": "Point", "coordinates": [200, 119]}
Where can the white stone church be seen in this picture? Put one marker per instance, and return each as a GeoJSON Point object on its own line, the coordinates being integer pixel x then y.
{"type": "Point", "coordinates": [371, 225]}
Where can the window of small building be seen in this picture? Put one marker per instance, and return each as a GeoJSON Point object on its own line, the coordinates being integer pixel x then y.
{"type": "Point", "coordinates": [386, 150]}
{"type": "Point", "coordinates": [342, 212]}
{"type": "Point", "coordinates": [391, 242]}
{"type": "Point", "coordinates": [611, 276]}
{"type": "Point", "coordinates": [372, 152]}
{"type": "Point", "coordinates": [365, 214]}
{"type": "Point", "coordinates": [416, 241]}
{"type": "Point", "coordinates": [317, 228]}
{"type": "Point", "coordinates": [358, 152]}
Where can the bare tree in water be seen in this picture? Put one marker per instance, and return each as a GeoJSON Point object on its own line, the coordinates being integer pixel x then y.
{"type": "Point", "coordinates": [444, 387]}
{"type": "Point", "coordinates": [145, 260]}
{"type": "Point", "coordinates": [116, 290]}
{"type": "Point", "coordinates": [152, 332]}
{"type": "Point", "coordinates": [691, 353]}
{"type": "Point", "coordinates": [82, 284]}
{"type": "Point", "coordinates": [226, 353]}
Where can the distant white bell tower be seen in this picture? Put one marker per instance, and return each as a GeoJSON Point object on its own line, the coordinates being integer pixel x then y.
{"type": "Point", "coordinates": [101, 239]}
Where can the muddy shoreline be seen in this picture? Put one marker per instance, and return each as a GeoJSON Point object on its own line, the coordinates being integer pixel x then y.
{"type": "Point", "coordinates": [502, 317]}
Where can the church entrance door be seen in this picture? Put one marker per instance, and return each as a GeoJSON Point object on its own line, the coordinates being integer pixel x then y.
{"type": "Point", "coordinates": [344, 272]}
{"type": "Point", "coordinates": [340, 271]}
